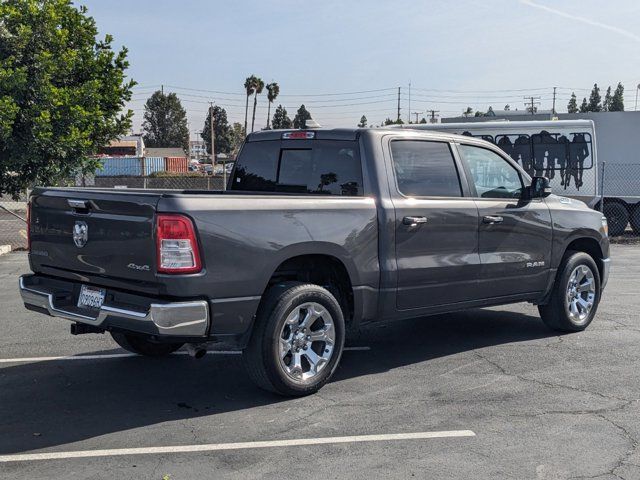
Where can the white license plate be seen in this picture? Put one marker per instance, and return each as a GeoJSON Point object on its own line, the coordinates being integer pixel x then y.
{"type": "Point", "coordinates": [91, 297]}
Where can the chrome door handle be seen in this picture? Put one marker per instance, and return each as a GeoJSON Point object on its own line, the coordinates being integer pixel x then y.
{"type": "Point", "coordinates": [492, 219]}
{"type": "Point", "coordinates": [413, 221]}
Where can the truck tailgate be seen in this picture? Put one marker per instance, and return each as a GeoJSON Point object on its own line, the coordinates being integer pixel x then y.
{"type": "Point", "coordinates": [94, 232]}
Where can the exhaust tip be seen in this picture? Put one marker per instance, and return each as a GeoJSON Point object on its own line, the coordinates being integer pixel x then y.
{"type": "Point", "coordinates": [196, 350]}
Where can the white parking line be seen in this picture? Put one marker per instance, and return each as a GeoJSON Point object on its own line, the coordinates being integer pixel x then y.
{"type": "Point", "coordinates": [125, 355]}
{"type": "Point", "coordinates": [215, 447]}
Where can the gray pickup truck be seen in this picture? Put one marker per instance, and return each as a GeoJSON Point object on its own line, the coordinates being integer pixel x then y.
{"type": "Point", "coordinates": [319, 232]}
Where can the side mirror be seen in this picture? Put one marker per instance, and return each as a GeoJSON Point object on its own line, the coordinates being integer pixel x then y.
{"type": "Point", "coordinates": [540, 187]}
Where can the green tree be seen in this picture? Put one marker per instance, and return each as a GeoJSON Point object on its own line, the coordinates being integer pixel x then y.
{"type": "Point", "coordinates": [281, 119]}
{"type": "Point", "coordinates": [423, 120]}
{"type": "Point", "coordinates": [165, 122]}
{"type": "Point", "coordinates": [363, 122]}
{"type": "Point", "coordinates": [507, 107]}
{"type": "Point", "coordinates": [250, 84]}
{"type": "Point", "coordinates": [617, 101]}
{"type": "Point", "coordinates": [468, 111]}
{"type": "Point", "coordinates": [388, 121]}
{"type": "Point", "coordinates": [273, 90]}
{"type": "Point", "coordinates": [221, 130]}
{"type": "Point", "coordinates": [584, 106]}
{"type": "Point", "coordinates": [62, 92]}
{"type": "Point", "coordinates": [300, 120]}
{"type": "Point", "coordinates": [258, 87]}
{"type": "Point", "coordinates": [572, 106]}
{"type": "Point", "coordinates": [237, 137]}
{"type": "Point", "coordinates": [595, 104]}
{"type": "Point", "coordinates": [606, 105]}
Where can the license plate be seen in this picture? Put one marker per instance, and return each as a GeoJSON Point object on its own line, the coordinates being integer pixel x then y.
{"type": "Point", "coordinates": [91, 297]}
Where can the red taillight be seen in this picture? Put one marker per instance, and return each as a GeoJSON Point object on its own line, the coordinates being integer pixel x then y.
{"type": "Point", "coordinates": [177, 246]}
{"type": "Point", "coordinates": [29, 226]}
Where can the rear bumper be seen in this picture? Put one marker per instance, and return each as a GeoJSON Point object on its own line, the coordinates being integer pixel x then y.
{"type": "Point", "coordinates": [141, 314]}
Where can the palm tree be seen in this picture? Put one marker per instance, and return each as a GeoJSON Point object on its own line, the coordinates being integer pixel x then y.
{"type": "Point", "coordinates": [258, 86]}
{"type": "Point", "coordinates": [273, 90]}
{"type": "Point", "coordinates": [249, 86]}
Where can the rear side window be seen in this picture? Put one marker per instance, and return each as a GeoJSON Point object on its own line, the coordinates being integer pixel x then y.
{"type": "Point", "coordinates": [318, 167]}
{"type": "Point", "coordinates": [425, 169]}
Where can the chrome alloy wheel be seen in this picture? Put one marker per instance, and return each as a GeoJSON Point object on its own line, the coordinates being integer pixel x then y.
{"type": "Point", "coordinates": [581, 294]}
{"type": "Point", "coordinates": [306, 341]}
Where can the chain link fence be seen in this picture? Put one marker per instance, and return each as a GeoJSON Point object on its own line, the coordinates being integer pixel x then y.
{"type": "Point", "coordinates": [13, 213]}
{"type": "Point", "coordinates": [619, 186]}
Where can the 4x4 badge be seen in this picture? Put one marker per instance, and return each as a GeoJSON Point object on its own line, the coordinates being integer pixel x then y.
{"type": "Point", "coordinates": [80, 234]}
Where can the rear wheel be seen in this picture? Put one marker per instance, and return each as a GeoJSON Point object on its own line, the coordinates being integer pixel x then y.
{"type": "Point", "coordinates": [617, 217]}
{"type": "Point", "coordinates": [143, 345]}
{"type": "Point", "coordinates": [575, 296]}
{"type": "Point", "coordinates": [297, 339]}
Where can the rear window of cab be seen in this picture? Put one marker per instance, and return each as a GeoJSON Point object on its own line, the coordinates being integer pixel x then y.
{"type": "Point", "coordinates": [316, 167]}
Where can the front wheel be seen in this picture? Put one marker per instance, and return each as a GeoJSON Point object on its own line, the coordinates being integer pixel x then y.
{"type": "Point", "coordinates": [144, 346]}
{"type": "Point", "coordinates": [297, 339]}
{"type": "Point", "coordinates": [575, 296]}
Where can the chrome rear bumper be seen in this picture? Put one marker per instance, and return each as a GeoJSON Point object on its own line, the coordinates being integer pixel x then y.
{"type": "Point", "coordinates": [183, 319]}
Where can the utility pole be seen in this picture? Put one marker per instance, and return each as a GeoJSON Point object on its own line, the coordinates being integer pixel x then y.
{"type": "Point", "coordinates": [636, 105]}
{"type": "Point", "coordinates": [433, 114]}
{"type": "Point", "coordinates": [213, 138]}
{"type": "Point", "coordinates": [531, 104]}
{"type": "Point", "coordinates": [416, 114]}
{"type": "Point", "coordinates": [398, 104]}
{"type": "Point", "coordinates": [409, 109]}
{"type": "Point", "coordinates": [553, 109]}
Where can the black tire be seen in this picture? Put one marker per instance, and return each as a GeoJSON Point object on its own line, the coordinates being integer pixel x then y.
{"type": "Point", "coordinates": [261, 356]}
{"type": "Point", "coordinates": [617, 218]}
{"type": "Point", "coordinates": [555, 313]}
{"type": "Point", "coordinates": [635, 219]}
{"type": "Point", "coordinates": [144, 346]}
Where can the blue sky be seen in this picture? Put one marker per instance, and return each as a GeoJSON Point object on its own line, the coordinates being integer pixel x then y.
{"type": "Point", "coordinates": [475, 53]}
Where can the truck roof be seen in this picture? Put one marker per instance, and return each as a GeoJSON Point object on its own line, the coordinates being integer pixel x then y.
{"type": "Point", "coordinates": [351, 133]}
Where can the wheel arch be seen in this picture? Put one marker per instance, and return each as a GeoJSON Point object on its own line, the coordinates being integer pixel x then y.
{"type": "Point", "coordinates": [591, 247]}
{"type": "Point", "coordinates": [320, 263]}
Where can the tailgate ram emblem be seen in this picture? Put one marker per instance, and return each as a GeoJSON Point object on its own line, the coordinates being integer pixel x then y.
{"type": "Point", "coordinates": [80, 234]}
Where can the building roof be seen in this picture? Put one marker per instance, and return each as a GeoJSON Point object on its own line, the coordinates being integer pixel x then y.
{"type": "Point", "coordinates": [123, 143]}
{"type": "Point", "coordinates": [165, 152]}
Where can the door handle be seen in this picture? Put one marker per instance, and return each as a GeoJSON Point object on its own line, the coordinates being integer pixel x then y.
{"type": "Point", "coordinates": [492, 219]}
{"type": "Point", "coordinates": [413, 221]}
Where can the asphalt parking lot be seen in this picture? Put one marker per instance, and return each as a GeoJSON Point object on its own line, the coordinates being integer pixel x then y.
{"type": "Point", "coordinates": [539, 405]}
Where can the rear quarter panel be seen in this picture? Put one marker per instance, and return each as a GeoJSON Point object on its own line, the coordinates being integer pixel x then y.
{"type": "Point", "coordinates": [244, 238]}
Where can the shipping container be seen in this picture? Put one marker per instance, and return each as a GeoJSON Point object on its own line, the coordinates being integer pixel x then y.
{"type": "Point", "coordinates": [177, 164]}
{"type": "Point", "coordinates": [153, 164]}
{"type": "Point", "coordinates": [120, 166]}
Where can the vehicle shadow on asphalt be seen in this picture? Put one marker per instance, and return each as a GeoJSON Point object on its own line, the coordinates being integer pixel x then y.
{"type": "Point", "coordinates": [54, 403]}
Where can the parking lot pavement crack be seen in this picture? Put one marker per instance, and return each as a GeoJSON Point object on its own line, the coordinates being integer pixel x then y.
{"type": "Point", "coordinates": [543, 383]}
{"type": "Point", "coordinates": [300, 420]}
{"type": "Point", "coordinates": [633, 441]}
